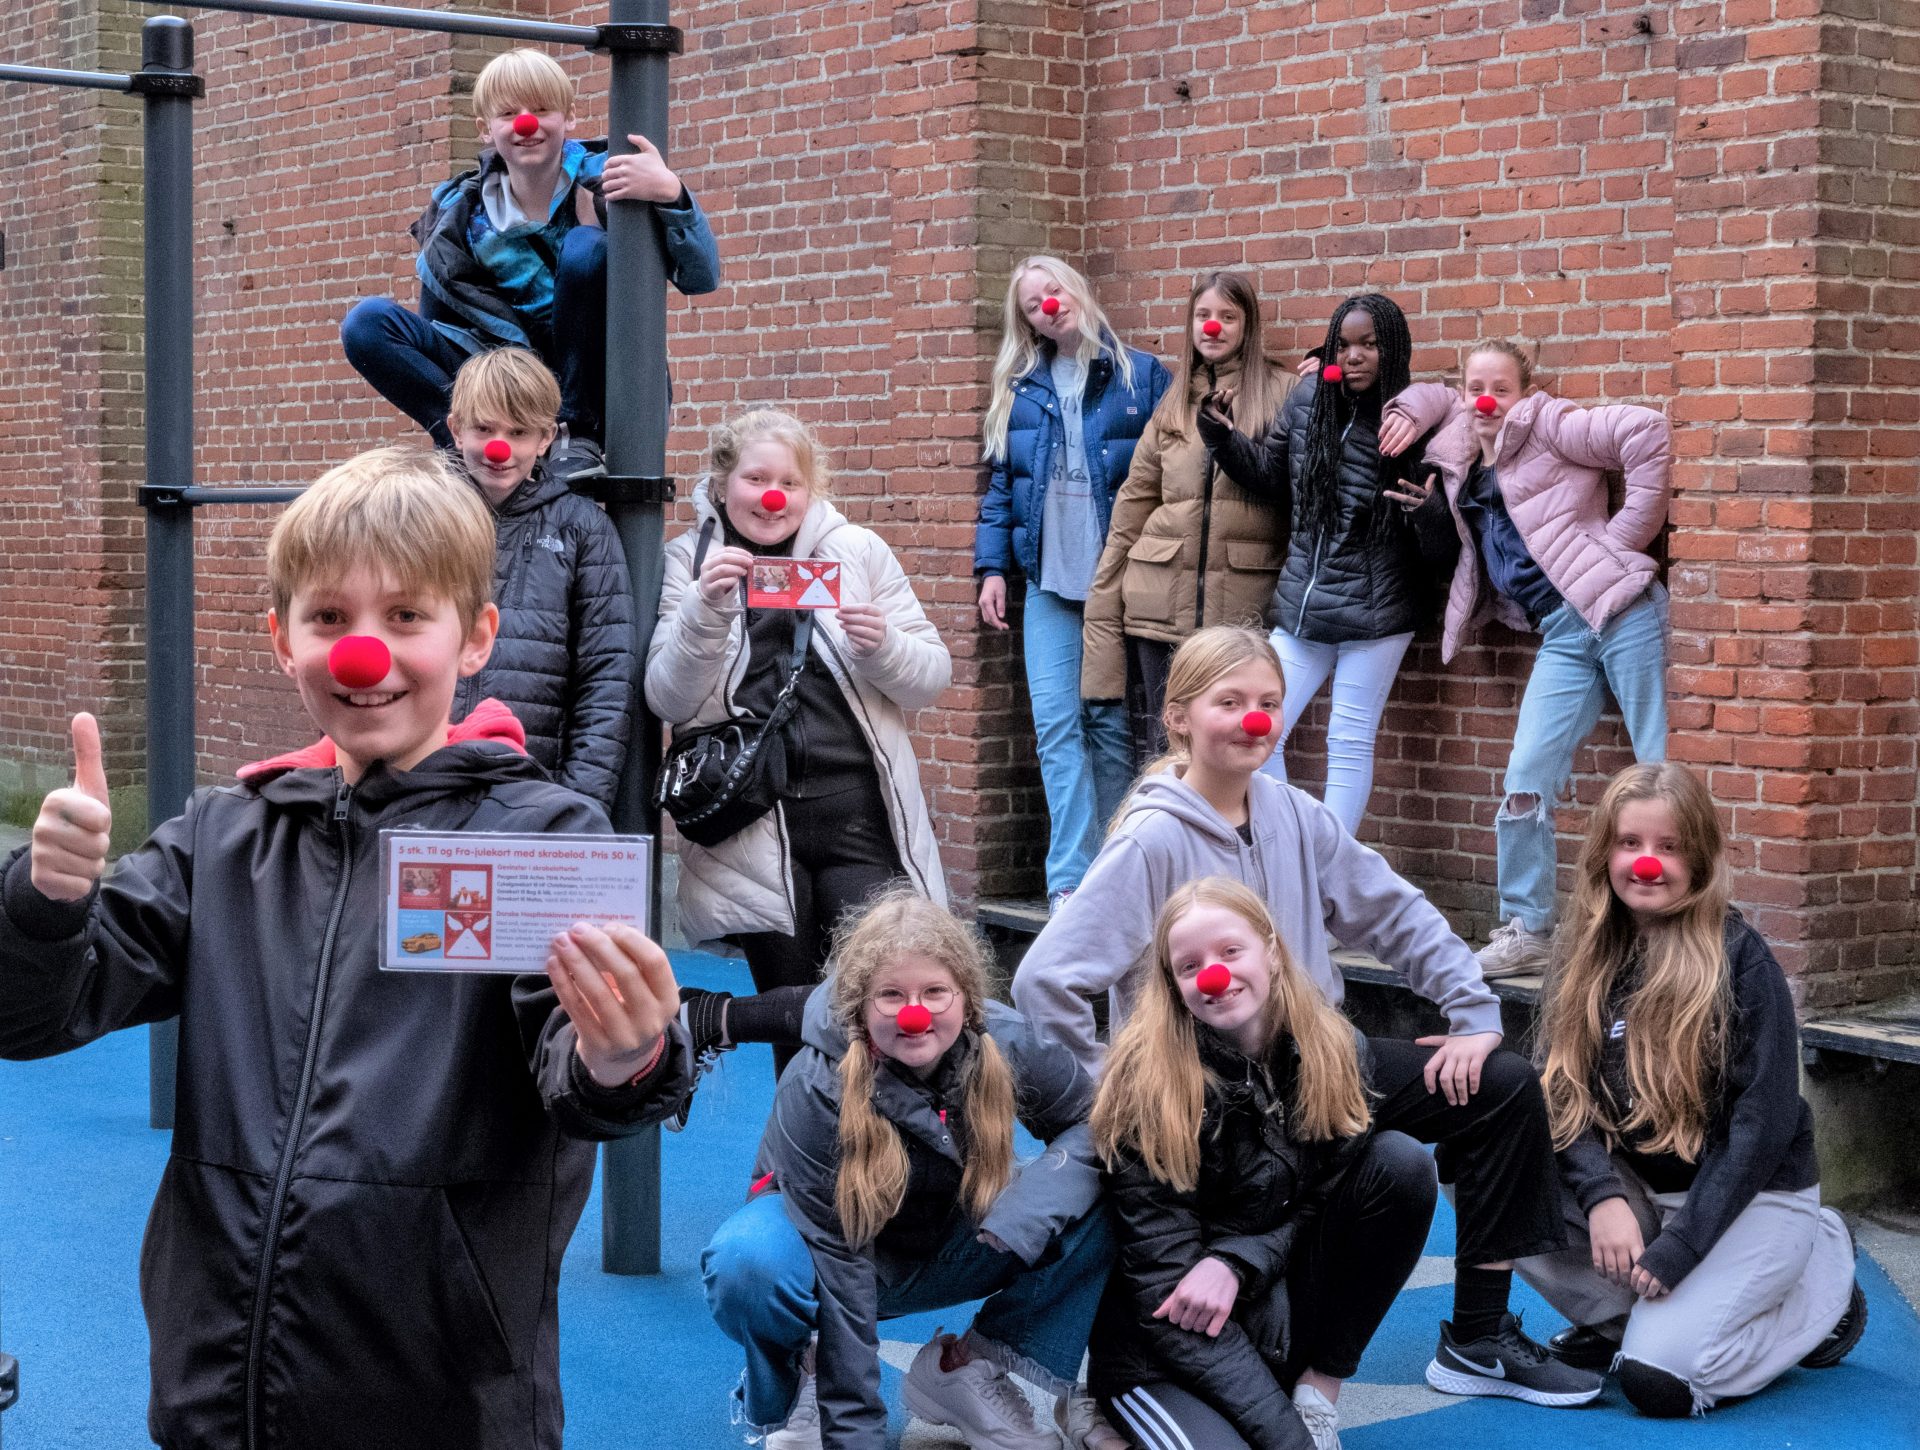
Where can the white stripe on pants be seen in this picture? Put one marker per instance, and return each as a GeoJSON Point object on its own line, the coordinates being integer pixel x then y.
{"type": "Point", "coordinates": [1770, 1290]}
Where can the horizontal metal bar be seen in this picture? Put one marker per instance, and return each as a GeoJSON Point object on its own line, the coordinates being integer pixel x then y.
{"type": "Point", "coordinates": [91, 80]}
{"type": "Point", "coordinates": [160, 495]}
{"type": "Point", "coordinates": [454, 21]}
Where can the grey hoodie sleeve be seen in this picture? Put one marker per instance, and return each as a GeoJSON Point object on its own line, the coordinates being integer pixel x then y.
{"type": "Point", "coordinates": [1370, 906]}
{"type": "Point", "coordinates": [1056, 1189]}
{"type": "Point", "coordinates": [1094, 941]}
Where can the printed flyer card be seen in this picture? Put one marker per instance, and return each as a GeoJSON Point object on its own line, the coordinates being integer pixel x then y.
{"type": "Point", "coordinates": [493, 902]}
{"type": "Point", "coordinates": [794, 584]}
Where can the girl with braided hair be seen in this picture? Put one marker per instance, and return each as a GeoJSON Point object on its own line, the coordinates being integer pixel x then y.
{"type": "Point", "coordinates": [1337, 463]}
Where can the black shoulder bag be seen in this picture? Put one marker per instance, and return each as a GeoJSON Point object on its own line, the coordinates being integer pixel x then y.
{"type": "Point", "coordinates": [718, 780]}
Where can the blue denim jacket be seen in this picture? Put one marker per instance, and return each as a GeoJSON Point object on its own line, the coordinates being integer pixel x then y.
{"type": "Point", "coordinates": [1112, 418]}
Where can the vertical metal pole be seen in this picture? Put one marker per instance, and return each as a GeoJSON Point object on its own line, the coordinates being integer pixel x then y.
{"type": "Point", "coordinates": [636, 446]}
{"type": "Point", "coordinates": [166, 46]}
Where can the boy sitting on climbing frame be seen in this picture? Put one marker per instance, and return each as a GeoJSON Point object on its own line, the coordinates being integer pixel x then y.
{"type": "Point", "coordinates": [514, 253]}
{"type": "Point", "coordinates": [358, 1236]}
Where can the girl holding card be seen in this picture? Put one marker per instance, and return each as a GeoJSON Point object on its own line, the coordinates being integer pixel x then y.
{"type": "Point", "coordinates": [854, 817]}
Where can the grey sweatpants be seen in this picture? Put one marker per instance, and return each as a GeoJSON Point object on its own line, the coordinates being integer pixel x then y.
{"type": "Point", "coordinates": [1765, 1294]}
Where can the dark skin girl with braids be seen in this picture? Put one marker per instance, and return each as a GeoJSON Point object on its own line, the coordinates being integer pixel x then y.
{"type": "Point", "coordinates": [1339, 465]}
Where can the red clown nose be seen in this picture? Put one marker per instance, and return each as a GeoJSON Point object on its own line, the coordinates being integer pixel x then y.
{"type": "Point", "coordinates": [773, 500]}
{"type": "Point", "coordinates": [359, 661]}
{"type": "Point", "coordinates": [1331, 372]}
{"type": "Point", "coordinates": [1485, 404]}
{"type": "Point", "coordinates": [1050, 306]}
{"type": "Point", "coordinates": [1213, 981]}
{"type": "Point", "coordinates": [1648, 868]}
{"type": "Point", "coordinates": [498, 450]}
{"type": "Point", "coordinates": [1211, 327]}
{"type": "Point", "coordinates": [914, 1019]}
{"type": "Point", "coordinates": [1257, 723]}
{"type": "Point", "coordinates": [525, 124]}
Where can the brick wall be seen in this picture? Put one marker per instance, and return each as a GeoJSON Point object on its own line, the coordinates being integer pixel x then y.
{"type": "Point", "coordinates": [1708, 206]}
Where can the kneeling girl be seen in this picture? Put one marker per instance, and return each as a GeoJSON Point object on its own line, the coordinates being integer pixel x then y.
{"type": "Point", "coordinates": [1264, 1225]}
{"type": "Point", "coordinates": [1702, 1265]}
{"type": "Point", "coordinates": [887, 1184]}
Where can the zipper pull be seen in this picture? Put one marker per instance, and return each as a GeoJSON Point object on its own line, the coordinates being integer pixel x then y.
{"type": "Point", "coordinates": [341, 800]}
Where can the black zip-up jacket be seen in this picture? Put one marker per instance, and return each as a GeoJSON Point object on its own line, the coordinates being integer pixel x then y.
{"type": "Point", "coordinates": [357, 1239]}
{"type": "Point", "coordinates": [1258, 1190]}
{"type": "Point", "coordinates": [1359, 582]}
{"type": "Point", "coordinates": [1759, 1140]}
{"type": "Point", "coordinates": [563, 662]}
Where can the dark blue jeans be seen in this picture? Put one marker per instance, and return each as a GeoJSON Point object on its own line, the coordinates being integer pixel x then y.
{"type": "Point", "coordinates": [411, 363]}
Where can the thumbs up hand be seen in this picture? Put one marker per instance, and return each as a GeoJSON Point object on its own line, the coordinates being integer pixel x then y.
{"type": "Point", "coordinates": [70, 837]}
{"type": "Point", "coordinates": [640, 175]}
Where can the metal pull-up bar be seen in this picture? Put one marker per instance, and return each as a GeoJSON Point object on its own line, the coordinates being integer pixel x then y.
{"type": "Point", "coordinates": [640, 41]}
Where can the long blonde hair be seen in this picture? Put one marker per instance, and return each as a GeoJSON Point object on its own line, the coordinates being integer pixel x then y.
{"type": "Point", "coordinates": [873, 1161]}
{"type": "Point", "coordinates": [1020, 345]}
{"type": "Point", "coordinates": [1263, 386]}
{"type": "Point", "coordinates": [1153, 1091]}
{"type": "Point", "coordinates": [1677, 1050]}
{"type": "Point", "coordinates": [1204, 658]}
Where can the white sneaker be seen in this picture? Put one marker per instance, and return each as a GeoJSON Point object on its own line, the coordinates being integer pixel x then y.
{"type": "Point", "coordinates": [979, 1400]}
{"type": "Point", "coordinates": [1082, 1425]}
{"type": "Point", "coordinates": [1320, 1416]}
{"type": "Point", "coordinates": [1513, 951]}
{"type": "Point", "coordinates": [802, 1430]}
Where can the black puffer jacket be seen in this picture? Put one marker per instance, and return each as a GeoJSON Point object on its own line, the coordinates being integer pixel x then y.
{"type": "Point", "coordinates": [564, 660]}
{"type": "Point", "coordinates": [357, 1239]}
{"type": "Point", "coordinates": [1258, 1189]}
{"type": "Point", "coordinates": [1363, 581]}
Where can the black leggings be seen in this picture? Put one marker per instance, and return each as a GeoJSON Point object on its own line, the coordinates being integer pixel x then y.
{"type": "Point", "coordinates": [1351, 1261]}
{"type": "Point", "coordinates": [841, 849]}
{"type": "Point", "coordinates": [1147, 662]}
{"type": "Point", "coordinates": [1496, 1147]}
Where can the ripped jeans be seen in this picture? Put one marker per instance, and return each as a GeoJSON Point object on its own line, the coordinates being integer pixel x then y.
{"type": "Point", "coordinates": [1572, 674]}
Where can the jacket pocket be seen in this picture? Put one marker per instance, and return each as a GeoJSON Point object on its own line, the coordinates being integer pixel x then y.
{"type": "Point", "coordinates": [1152, 578]}
{"type": "Point", "coordinates": [1247, 588]}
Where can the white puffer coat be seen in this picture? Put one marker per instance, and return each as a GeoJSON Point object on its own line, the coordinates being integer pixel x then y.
{"type": "Point", "coordinates": [696, 662]}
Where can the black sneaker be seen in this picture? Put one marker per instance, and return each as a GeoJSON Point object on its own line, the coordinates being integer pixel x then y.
{"type": "Point", "coordinates": [703, 1014]}
{"type": "Point", "coordinates": [1509, 1364]}
{"type": "Point", "coordinates": [1584, 1347]}
{"type": "Point", "coordinates": [1841, 1339]}
{"type": "Point", "coordinates": [575, 460]}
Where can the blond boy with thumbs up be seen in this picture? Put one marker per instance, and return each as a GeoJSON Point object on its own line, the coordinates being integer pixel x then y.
{"type": "Point", "coordinates": [357, 1240]}
{"type": "Point", "coordinates": [514, 254]}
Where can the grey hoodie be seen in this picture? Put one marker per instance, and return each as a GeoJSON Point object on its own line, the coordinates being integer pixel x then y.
{"type": "Point", "coordinates": [1315, 879]}
{"type": "Point", "coordinates": [801, 1150]}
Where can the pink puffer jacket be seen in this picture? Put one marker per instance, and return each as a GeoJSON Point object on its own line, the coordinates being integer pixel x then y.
{"type": "Point", "coordinates": [1553, 458]}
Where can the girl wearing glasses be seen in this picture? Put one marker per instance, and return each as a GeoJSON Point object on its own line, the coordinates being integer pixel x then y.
{"type": "Point", "coordinates": [886, 1185]}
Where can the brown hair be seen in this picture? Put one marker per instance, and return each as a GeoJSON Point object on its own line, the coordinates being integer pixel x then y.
{"type": "Point", "coordinates": [1263, 385]}
{"type": "Point", "coordinates": [1677, 1052]}
{"type": "Point", "coordinates": [873, 1161]}
{"type": "Point", "coordinates": [401, 509]}
{"type": "Point", "coordinates": [505, 384]}
{"type": "Point", "coordinates": [1153, 1091]}
{"type": "Point", "coordinates": [1505, 349]}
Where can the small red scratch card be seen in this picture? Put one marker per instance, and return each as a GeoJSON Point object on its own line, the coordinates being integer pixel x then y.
{"type": "Point", "coordinates": [794, 584]}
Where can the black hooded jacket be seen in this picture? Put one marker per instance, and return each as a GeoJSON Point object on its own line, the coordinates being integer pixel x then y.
{"type": "Point", "coordinates": [1368, 579]}
{"type": "Point", "coordinates": [1258, 1189]}
{"type": "Point", "coordinates": [564, 660]}
{"type": "Point", "coordinates": [357, 1239]}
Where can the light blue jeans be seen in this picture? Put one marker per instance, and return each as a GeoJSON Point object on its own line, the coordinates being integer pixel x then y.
{"type": "Point", "coordinates": [760, 1289]}
{"type": "Point", "coordinates": [1363, 671]}
{"type": "Point", "coordinates": [1086, 751]}
{"type": "Point", "coordinates": [1572, 674]}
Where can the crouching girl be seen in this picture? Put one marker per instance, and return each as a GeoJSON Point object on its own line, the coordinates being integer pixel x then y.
{"type": "Point", "coordinates": [887, 1185]}
{"type": "Point", "coordinates": [1264, 1226]}
{"type": "Point", "coordinates": [1703, 1265]}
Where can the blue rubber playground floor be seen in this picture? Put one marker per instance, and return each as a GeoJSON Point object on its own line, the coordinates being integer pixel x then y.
{"type": "Point", "coordinates": [643, 1365]}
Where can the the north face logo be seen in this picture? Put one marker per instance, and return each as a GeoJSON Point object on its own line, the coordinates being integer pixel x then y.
{"type": "Point", "coordinates": [553, 542]}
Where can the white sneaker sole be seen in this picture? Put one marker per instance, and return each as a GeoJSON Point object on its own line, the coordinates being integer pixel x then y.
{"type": "Point", "coordinates": [923, 1408]}
{"type": "Point", "coordinates": [1452, 1382]}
